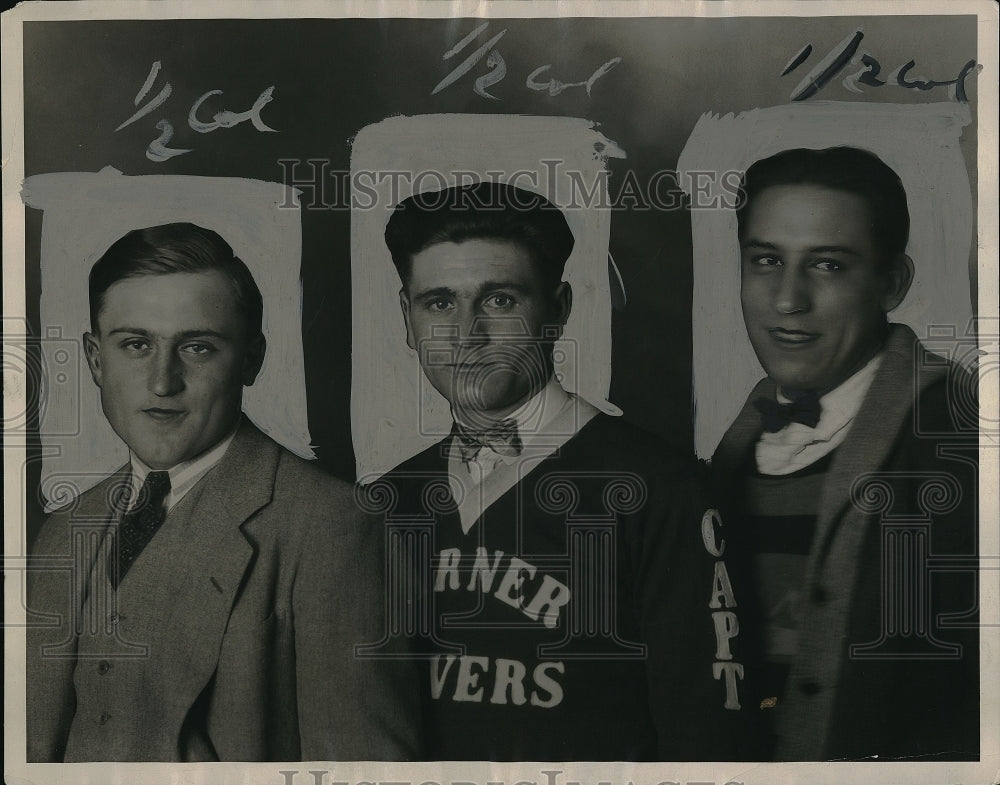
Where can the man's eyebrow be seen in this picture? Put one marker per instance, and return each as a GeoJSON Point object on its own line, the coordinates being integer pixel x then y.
{"type": "Point", "coordinates": [835, 249]}
{"type": "Point", "coordinates": [189, 334]}
{"type": "Point", "coordinates": [491, 285]}
{"type": "Point", "coordinates": [488, 286]}
{"type": "Point", "coordinates": [438, 291]}
{"type": "Point", "coordinates": [766, 246]}
{"type": "Point", "coordinates": [184, 336]}
{"type": "Point", "coordinates": [130, 331]}
{"type": "Point", "coordinates": [751, 243]}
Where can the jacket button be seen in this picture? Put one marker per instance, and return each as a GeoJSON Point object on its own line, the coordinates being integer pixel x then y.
{"type": "Point", "coordinates": [103, 667]}
{"type": "Point", "coordinates": [103, 719]}
{"type": "Point", "coordinates": [809, 687]}
{"type": "Point", "coordinates": [819, 595]}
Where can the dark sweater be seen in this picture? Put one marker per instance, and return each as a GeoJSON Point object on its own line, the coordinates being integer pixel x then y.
{"type": "Point", "coordinates": [577, 606]}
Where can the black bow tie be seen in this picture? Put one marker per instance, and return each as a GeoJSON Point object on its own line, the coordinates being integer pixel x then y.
{"type": "Point", "coordinates": [502, 438]}
{"type": "Point", "coordinates": [804, 408]}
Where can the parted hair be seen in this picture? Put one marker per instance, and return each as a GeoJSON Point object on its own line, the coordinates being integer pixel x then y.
{"type": "Point", "coordinates": [175, 248]}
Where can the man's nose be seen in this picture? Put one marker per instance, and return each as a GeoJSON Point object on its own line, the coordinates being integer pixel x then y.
{"type": "Point", "coordinates": [472, 327]}
{"type": "Point", "coordinates": [792, 295]}
{"type": "Point", "coordinates": [166, 373]}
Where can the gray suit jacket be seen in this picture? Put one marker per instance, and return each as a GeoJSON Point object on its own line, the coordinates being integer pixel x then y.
{"type": "Point", "coordinates": [231, 638]}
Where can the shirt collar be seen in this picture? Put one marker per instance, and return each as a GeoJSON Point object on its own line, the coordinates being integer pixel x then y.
{"type": "Point", "coordinates": [796, 445]}
{"type": "Point", "coordinates": [535, 414]}
{"type": "Point", "coordinates": [538, 411]}
{"type": "Point", "coordinates": [545, 422]}
{"type": "Point", "coordinates": [184, 476]}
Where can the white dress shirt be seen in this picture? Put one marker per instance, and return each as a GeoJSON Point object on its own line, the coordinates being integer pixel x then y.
{"type": "Point", "coordinates": [183, 477]}
{"type": "Point", "coordinates": [545, 422]}
{"type": "Point", "coordinates": [796, 445]}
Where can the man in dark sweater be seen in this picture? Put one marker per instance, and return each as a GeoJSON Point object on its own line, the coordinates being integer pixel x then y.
{"type": "Point", "coordinates": [849, 478]}
{"type": "Point", "coordinates": [565, 601]}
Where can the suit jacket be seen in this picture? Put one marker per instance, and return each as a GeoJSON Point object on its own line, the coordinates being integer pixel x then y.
{"type": "Point", "coordinates": [231, 638]}
{"type": "Point", "coordinates": [866, 679]}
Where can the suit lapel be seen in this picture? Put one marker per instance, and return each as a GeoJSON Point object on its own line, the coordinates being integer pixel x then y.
{"type": "Point", "coordinates": [215, 558]}
{"type": "Point", "coordinates": [742, 435]}
{"type": "Point", "coordinates": [883, 414]}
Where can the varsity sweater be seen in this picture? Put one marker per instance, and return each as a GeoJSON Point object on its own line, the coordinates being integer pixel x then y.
{"type": "Point", "coordinates": [582, 617]}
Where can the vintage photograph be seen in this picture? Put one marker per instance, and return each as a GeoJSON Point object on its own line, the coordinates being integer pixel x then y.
{"type": "Point", "coordinates": [504, 393]}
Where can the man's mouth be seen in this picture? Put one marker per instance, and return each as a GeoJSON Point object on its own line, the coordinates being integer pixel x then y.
{"type": "Point", "coordinates": [163, 415]}
{"type": "Point", "coordinates": [792, 337]}
{"type": "Point", "coordinates": [481, 362]}
{"type": "Point", "coordinates": [475, 365]}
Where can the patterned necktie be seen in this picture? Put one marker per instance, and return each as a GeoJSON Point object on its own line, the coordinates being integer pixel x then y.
{"type": "Point", "coordinates": [804, 408]}
{"type": "Point", "coordinates": [502, 438]}
{"type": "Point", "coordinates": [138, 526]}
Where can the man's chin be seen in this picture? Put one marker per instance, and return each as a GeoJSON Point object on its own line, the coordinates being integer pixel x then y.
{"type": "Point", "coordinates": [481, 408]}
{"type": "Point", "coordinates": [159, 456]}
{"type": "Point", "coordinates": [797, 381]}
{"type": "Point", "coordinates": [793, 375]}
{"type": "Point", "coordinates": [160, 462]}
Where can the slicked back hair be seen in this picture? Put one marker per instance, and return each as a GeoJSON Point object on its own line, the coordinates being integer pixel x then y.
{"type": "Point", "coordinates": [848, 169]}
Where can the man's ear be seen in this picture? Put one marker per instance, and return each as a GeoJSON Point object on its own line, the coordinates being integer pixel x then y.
{"type": "Point", "coordinates": [253, 359]}
{"type": "Point", "coordinates": [562, 300]}
{"type": "Point", "coordinates": [92, 350]}
{"type": "Point", "coordinates": [404, 304]}
{"type": "Point", "coordinates": [898, 279]}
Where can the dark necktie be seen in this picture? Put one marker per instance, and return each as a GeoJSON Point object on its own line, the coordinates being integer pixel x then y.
{"type": "Point", "coordinates": [138, 526]}
{"type": "Point", "coordinates": [804, 408]}
{"type": "Point", "coordinates": [502, 438]}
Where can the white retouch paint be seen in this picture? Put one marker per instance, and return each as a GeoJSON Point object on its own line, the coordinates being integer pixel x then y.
{"type": "Point", "coordinates": [394, 412]}
{"type": "Point", "coordinates": [919, 141]}
{"type": "Point", "coordinates": [84, 213]}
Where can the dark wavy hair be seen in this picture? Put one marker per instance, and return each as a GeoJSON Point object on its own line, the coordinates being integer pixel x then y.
{"type": "Point", "coordinates": [484, 210]}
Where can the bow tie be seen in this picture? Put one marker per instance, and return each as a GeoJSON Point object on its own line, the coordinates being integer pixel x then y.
{"type": "Point", "coordinates": [502, 438]}
{"type": "Point", "coordinates": [804, 408]}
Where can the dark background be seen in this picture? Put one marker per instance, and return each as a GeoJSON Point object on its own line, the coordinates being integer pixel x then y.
{"type": "Point", "coordinates": [333, 77]}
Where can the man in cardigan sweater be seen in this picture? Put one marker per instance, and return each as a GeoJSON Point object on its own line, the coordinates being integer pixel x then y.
{"type": "Point", "coordinates": [219, 583]}
{"type": "Point", "coordinates": [848, 473]}
{"type": "Point", "coordinates": [567, 605]}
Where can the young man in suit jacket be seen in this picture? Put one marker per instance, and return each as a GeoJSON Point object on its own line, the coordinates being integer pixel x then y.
{"type": "Point", "coordinates": [565, 608]}
{"type": "Point", "coordinates": [850, 470]}
{"type": "Point", "coordinates": [221, 583]}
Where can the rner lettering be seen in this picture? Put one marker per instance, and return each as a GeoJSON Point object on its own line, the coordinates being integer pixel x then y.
{"type": "Point", "coordinates": [515, 585]}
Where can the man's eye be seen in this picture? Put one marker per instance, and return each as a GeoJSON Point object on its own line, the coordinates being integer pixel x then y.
{"type": "Point", "coordinates": [766, 260]}
{"type": "Point", "coordinates": [135, 344]}
{"type": "Point", "coordinates": [198, 348]}
{"type": "Point", "coordinates": [440, 305]}
{"type": "Point", "coordinates": [827, 265]}
{"type": "Point", "coordinates": [499, 300]}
